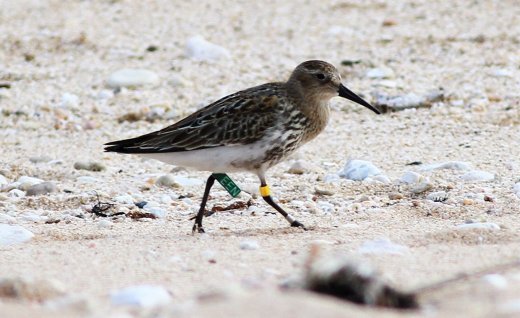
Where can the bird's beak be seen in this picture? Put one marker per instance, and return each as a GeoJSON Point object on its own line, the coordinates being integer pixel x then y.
{"type": "Point", "coordinates": [348, 94]}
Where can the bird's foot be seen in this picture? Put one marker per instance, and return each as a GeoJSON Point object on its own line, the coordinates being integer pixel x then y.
{"type": "Point", "coordinates": [298, 224]}
{"type": "Point", "coordinates": [197, 228]}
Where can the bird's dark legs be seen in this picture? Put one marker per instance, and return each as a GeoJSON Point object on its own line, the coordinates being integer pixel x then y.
{"type": "Point", "coordinates": [198, 219]}
{"type": "Point", "coordinates": [265, 192]}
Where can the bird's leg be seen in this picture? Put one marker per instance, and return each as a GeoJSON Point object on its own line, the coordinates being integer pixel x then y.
{"type": "Point", "coordinates": [198, 219]}
{"type": "Point", "coordinates": [265, 192]}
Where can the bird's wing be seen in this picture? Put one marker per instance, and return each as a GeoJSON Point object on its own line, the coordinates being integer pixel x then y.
{"type": "Point", "coordinates": [240, 118]}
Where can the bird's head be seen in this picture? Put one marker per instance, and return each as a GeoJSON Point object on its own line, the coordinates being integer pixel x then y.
{"type": "Point", "coordinates": [321, 80]}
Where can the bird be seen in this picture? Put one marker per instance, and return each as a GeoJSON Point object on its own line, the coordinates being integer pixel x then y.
{"type": "Point", "coordinates": [248, 131]}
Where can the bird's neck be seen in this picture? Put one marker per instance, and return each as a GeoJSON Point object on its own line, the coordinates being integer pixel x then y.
{"type": "Point", "coordinates": [314, 106]}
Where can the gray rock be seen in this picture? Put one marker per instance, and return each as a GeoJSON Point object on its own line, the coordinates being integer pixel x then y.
{"type": "Point", "coordinates": [41, 188]}
{"type": "Point", "coordinates": [90, 166]}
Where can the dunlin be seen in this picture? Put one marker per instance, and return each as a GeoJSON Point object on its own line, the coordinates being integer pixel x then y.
{"type": "Point", "coordinates": [251, 130]}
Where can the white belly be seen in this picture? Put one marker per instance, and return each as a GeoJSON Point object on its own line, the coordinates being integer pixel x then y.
{"type": "Point", "coordinates": [218, 159]}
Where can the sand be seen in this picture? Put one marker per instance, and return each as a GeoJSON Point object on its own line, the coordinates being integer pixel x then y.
{"type": "Point", "coordinates": [52, 48]}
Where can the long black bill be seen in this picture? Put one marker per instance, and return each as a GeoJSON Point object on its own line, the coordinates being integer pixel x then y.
{"type": "Point", "coordinates": [348, 94]}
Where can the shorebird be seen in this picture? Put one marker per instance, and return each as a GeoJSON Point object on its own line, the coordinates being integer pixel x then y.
{"type": "Point", "coordinates": [251, 130]}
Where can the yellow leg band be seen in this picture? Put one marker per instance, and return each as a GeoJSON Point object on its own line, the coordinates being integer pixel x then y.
{"type": "Point", "coordinates": [265, 191]}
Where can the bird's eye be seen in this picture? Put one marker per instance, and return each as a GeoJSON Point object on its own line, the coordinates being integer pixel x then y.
{"type": "Point", "coordinates": [320, 76]}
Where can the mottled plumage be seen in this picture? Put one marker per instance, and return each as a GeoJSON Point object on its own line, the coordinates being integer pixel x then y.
{"type": "Point", "coordinates": [251, 130]}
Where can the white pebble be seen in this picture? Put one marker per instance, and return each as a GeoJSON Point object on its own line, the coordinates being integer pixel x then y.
{"type": "Point", "coordinates": [381, 178]}
{"type": "Point", "coordinates": [24, 182]}
{"type": "Point", "coordinates": [382, 246]}
{"type": "Point", "coordinates": [87, 180]}
{"type": "Point", "coordinates": [410, 177]}
{"type": "Point", "coordinates": [124, 199]}
{"type": "Point", "coordinates": [104, 223]}
{"type": "Point", "coordinates": [197, 48]}
{"type": "Point", "coordinates": [249, 245]}
{"type": "Point", "coordinates": [132, 78]}
{"type": "Point", "coordinates": [141, 296]}
{"type": "Point", "coordinates": [15, 193]}
{"type": "Point", "coordinates": [152, 208]}
{"type": "Point", "coordinates": [6, 218]}
{"type": "Point", "coordinates": [452, 165]}
{"type": "Point", "coordinates": [187, 182]}
{"type": "Point", "coordinates": [3, 180]}
{"type": "Point", "coordinates": [359, 170]}
{"type": "Point", "coordinates": [13, 234]}
{"type": "Point", "coordinates": [501, 72]}
{"type": "Point", "coordinates": [167, 180]}
{"type": "Point", "coordinates": [439, 196]}
{"type": "Point", "coordinates": [479, 225]}
{"type": "Point", "coordinates": [69, 101]}
{"type": "Point", "coordinates": [326, 207]}
{"type": "Point", "coordinates": [496, 280]}
{"type": "Point", "coordinates": [516, 189]}
{"type": "Point", "coordinates": [382, 72]}
{"type": "Point", "coordinates": [478, 175]}
{"type": "Point", "coordinates": [298, 167]}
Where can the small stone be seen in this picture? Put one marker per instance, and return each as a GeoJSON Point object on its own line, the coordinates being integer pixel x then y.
{"type": "Point", "coordinates": [395, 196]}
{"type": "Point", "coordinates": [70, 101]}
{"type": "Point", "coordinates": [249, 245]}
{"type": "Point", "coordinates": [439, 196]}
{"type": "Point", "coordinates": [124, 199]}
{"type": "Point", "coordinates": [421, 187]}
{"type": "Point", "coordinates": [479, 225]}
{"type": "Point", "coordinates": [152, 208]}
{"type": "Point", "coordinates": [359, 170]}
{"type": "Point", "coordinates": [382, 246]}
{"type": "Point", "coordinates": [411, 177]}
{"type": "Point", "coordinates": [132, 78]}
{"type": "Point", "coordinates": [167, 180]}
{"type": "Point", "coordinates": [197, 48]}
{"type": "Point", "coordinates": [30, 290]}
{"type": "Point", "coordinates": [87, 180]}
{"type": "Point", "coordinates": [13, 234]}
{"type": "Point", "coordinates": [496, 280]}
{"type": "Point", "coordinates": [326, 207]}
{"type": "Point", "coordinates": [25, 182]}
{"type": "Point", "coordinates": [145, 296]}
{"type": "Point", "coordinates": [90, 166]}
{"type": "Point", "coordinates": [40, 159]}
{"type": "Point", "coordinates": [381, 178]}
{"type": "Point", "coordinates": [478, 175]}
{"type": "Point", "coordinates": [104, 223]}
{"type": "Point", "coordinates": [467, 201]}
{"type": "Point", "coordinates": [41, 188]}
{"type": "Point", "coordinates": [16, 193]}
{"type": "Point", "coordinates": [452, 165]}
{"type": "Point", "coordinates": [141, 204]}
{"type": "Point", "coordinates": [516, 189]}
{"type": "Point", "coordinates": [323, 191]}
{"type": "Point", "coordinates": [501, 72]}
{"type": "Point", "coordinates": [298, 167]}
{"type": "Point", "coordinates": [382, 72]}
{"type": "Point", "coordinates": [3, 180]}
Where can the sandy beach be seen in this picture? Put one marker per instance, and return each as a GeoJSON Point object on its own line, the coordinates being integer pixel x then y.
{"type": "Point", "coordinates": [442, 198]}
